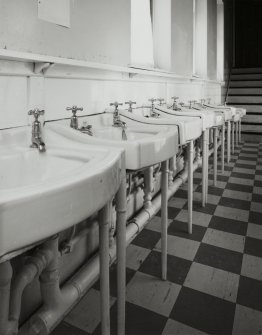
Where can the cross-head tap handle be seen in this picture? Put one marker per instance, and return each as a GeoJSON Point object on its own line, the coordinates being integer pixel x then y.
{"type": "Point", "coordinates": [152, 100]}
{"type": "Point", "coordinates": [175, 98]}
{"type": "Point", "coordinates": [161, 100]}
{"type": "Point", "coordinates": [181, 103]}
{"type": "Point", "coordinates": [202, 101]}
{"type": "Point", "coordinates": [36, 112]}
{"type": "Point", "coordinates": [116, 104]}
{"type": "Point", "coordinates": [74, 109]}
{"type": "Point", "coordinates": [130, 103]}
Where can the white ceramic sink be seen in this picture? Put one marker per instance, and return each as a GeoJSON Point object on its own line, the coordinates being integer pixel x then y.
{"type": "Point", "coordinates": [145, 145]}
{"type": "Point", "coordinates": [42, 194]}
{"type": "Point", "coordinates": [228, 112]}
{"type": "Point", "coordinates": [190, 128]}
{"type": "Point", "coordinates": [208, 118]}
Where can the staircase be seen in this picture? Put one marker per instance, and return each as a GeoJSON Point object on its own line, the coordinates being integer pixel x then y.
{"type": "Point", "coordinates": [245, 90]}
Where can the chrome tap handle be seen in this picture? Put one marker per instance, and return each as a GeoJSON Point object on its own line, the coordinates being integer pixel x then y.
{"type": "Point", "coordinates": [74, 119]}
{"type": "Point", "coordinates": [116, 104]}
{"type": "Point", "coordinates": [175, 98]}
{"type": "Point", "coordinates": [191, 103]}
{"type": "Point", "coordinates": [74, 109]}
{"type": "Point", "coordinates": [152, 100]}
{"type": "Point", "coordinates": [36, 113]}
{"type": "Point", "coordinates": [181, 103]}
{"type": "Point", "coordinates": [202, 101]}
{"type": "Point", "coordinates": [130, 103]}
{"type": "Point", "coordinates": [161, 100]}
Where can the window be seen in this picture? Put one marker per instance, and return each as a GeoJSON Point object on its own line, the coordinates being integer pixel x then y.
{"type": "Point", "coordinates": [141, 34]}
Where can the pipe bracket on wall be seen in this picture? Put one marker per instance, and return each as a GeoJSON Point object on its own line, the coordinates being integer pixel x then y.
{"type": "Point", "coordinates": [42, 67]}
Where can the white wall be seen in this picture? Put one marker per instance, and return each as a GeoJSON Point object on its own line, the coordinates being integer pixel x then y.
{"type": "Point", "coordinates": [201, 38]}
{"type": "Point", "coordinates": [182, 37]}
{"type": "Point", "coordinates": [212, 39]}
{"type": "Point", "coordinates": [220, 40]}
{"type": "Point", "coordinates": [100, 30]}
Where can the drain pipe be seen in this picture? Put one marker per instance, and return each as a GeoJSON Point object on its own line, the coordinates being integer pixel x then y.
{"type": "Point", "coordinates": [6, 273]}
{"type": "Point", "coordinates": [45, 320]}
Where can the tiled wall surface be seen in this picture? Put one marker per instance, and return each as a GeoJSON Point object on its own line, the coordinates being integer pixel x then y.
{"type": "Point", "coordinates": [91, 89]}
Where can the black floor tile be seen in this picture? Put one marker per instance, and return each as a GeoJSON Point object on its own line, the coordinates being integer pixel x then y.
{"type": "Point", "coordinates": [258, 183]}
{"type": "Point", "coordinates": [250, 293]}
{"type": "Point", "coordinates": [181, 194]}
{"type": "Point", "coordinates": [238, 187]}
{"type": "Point", "coordinates": [242, 175]}
{"type": "Point", "coordinates": [211, 190]}
{"type": "Point", "coordinates": [253, 247]}
{"type": "Point", "coordinates": [235, 203]}
{"type": "Point", "coordinates": [208, 209]}
{"type": "Point", "coordinates": [228, 225]}
{"type": "Point", "coordinates": [172, 212]}
{"type": "Point", "coordinates": [257, 197]}
{"type": "Point", "coordinates": [244, 158]}
{"type": "Point", "coordinates": [178, 228]}
{"type": "Point", "coordinates": [139, 321]}
{"type": "Point", "coordinates": [66, 329]}
{"type": "Point", "coordinates": [204, 312]}
{"type": "Point", "coordinates": [220, 258]}
{"type": "Point", "coordinates": [147, 239]}
{"type": "Point", "coordinates": [255, 217]}
{"type": "Point", "coordinates": [259, 172]}
{"type": "Point", "coordinates": [177, 268]}
{"type": "Point", "coordinates": [113, 279]}
{"type": "Point", "coordinates": [245, 166]}
{"type": "Point", "coordinates": [226, 167]}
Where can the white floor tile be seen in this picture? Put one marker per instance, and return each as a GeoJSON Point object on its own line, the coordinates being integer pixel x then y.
{"type": "Point", "coordinates": [199, 218]}
{"type": "Point", "coordinates": [237, 195]}
{"type": "Point", "coordinates": [257, 190]}
{"type": "Point", "coordinates": [252, 267]}
{"type": "Point", "coordinates": [221, 284]}
{"type": "Point", "coordinates": [176, 328]}
{"type": "Point", "coordinates": [241, 181]}
{"type": "Point", "coordinates": [152, 293]}
{"type": "Point", "coordinates": [258, 177]}
{"type": "Point", "coordinates": [135, 256]}
{"type": "Point", "coordinates": [232, 213]}
{"type": "Point", "coordinates": [155, 224]}
{"type": "Point", "coordinates": [86, 314]}
{"type": "Point", "coordinates": [180, 247]}
{"type": "Point", "coordinates": [177, 202]}
{"type": "Point", "coordinates": [256, 207]}
{"type": "Point", "coordinates": [224, 240]}
{"type": "Point", "coordinates": [254, 230]}
{"type": "Point", "coordinates": [247, 321]}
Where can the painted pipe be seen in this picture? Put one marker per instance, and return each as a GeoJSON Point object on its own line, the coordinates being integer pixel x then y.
{"type": "Point", "coordinates": [190, 153]}
{"type": "Point", "coordinates": [204, 154]}
{"type": "Point", "coordinates": [6, 273]}
{"type": "Point", "coordinates": [148, 176]}
{"type": "Point", "coordinates": [223, 150]}
{"type": "Point", "coordinates": [164, 216]}
{"type": "Point", "coordinates": [228, 141]}
{"type": "Point", "coordinates": [104, 222]}
{"type": "Point", "coordinates": [45, 320]}
{"type": "Point", "coordinates": [215, 157]}
{"type": "Point", "coordinates": [233, 140]}
{"type": "Point", "coordinates": [121, 217]}
{"type": "Point", "coordinates": [239, 129]}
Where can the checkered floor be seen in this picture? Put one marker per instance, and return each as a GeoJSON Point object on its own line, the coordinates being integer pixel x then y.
{"type": "Point", "coordinates": [214, 281]}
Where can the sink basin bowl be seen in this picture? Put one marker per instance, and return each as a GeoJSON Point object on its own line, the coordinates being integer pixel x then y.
{"type": "Point", "coordinates": [189, 128]}
{"type": "Point", "coordinates": [224, 108]}
{"type": "Point", "coordinates": [146, 145]}
{"type": "Point", "coordinates": [207, 118]}
{"type": "Point", "coordinates": [42, 194]}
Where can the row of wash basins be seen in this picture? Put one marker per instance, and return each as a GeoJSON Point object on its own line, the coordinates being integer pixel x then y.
{"type": "Point", "coordinates": [114, 170]}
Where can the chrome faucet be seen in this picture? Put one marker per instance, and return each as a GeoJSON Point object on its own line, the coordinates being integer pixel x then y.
{"type": "Point", "coordinates": [161, 101]}
{"type": "Point", "coordinates": [174, 105]}
{"type": "Point", "coordinates": [152, 108]}
{"type": "Point", "coordinates": [74, 118]}
{"type": "Point", "coordinates": [37, 141]}
{"type": "Point", "coordinates": [130, 103]}
{"type": "Point", "coordinates": [116, 120]}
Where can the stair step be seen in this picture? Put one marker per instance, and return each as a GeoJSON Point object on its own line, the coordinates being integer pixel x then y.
{"type": "Point", "coordinates": [257, 128]}
{"type": "Point", "coordinates": [244, 99]}
{"type": "Point", "coordinates": [251, 137]}
{"type": "Point", "coordinates": [249, 118]}
{"type": "Point", "coordinates": [245, 91]}
{"type": "Point", "coordinates": [245, 83]}
{"type": "Point", "coordinates": [246, 76]}
{"type": "Point", "coordinates": [247, 70]}
{"type": "Point", "coordinates": [250, 108]}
